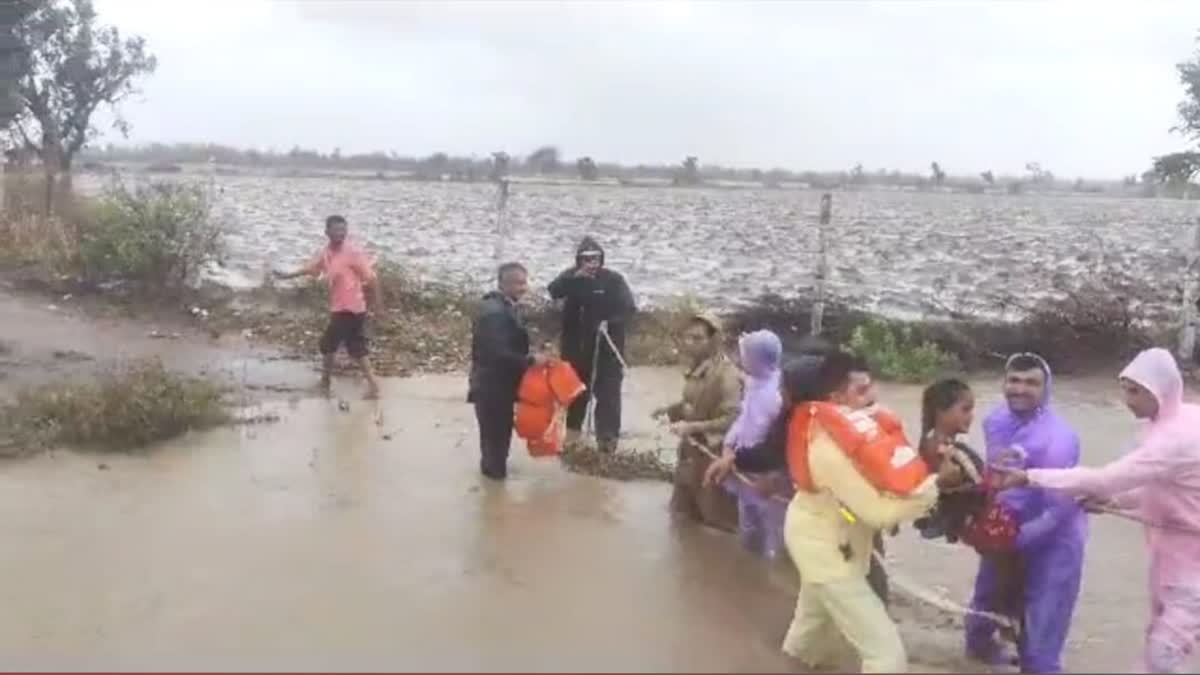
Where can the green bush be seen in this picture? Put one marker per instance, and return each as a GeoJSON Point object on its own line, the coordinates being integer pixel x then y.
{"type": "Point", "coordinates": [160, 233]}
{"type": "Point", "coordinates": [124, 409]}
{"type": "Point", "coordinates": [897, 354]}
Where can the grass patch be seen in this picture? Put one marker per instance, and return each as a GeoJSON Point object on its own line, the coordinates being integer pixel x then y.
{"type": "Point", "coordinates": [622, 465]}
{"type": "Point", "coordinates": [124, 409]}
{"type": "Point", "coordinates": [897, 354]}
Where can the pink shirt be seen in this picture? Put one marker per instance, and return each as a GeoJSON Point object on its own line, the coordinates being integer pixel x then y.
{"type": "Point", "coordinates": [345, 270]}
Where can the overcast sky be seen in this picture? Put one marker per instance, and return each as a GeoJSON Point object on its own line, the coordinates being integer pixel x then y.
{"type": "Point", "coordinates": [1084, 88]}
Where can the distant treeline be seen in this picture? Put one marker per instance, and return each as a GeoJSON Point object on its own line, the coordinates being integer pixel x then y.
{"type": "Point", "coordinates": [546, 161]}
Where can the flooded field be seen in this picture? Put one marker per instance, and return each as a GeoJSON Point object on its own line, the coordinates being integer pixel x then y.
{"type": "Point", "coordinates": [902, 253]}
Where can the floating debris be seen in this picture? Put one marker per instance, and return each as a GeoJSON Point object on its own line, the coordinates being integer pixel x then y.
{"type": "Point", "coordinates": [71, 355]}
{"type": "Point", "coordinates": [265, 418]}
{"type": "Point", "coordinates": [622, 465]}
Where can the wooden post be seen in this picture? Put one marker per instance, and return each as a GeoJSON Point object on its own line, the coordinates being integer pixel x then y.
{"type": "Point", "coordinates": [1187, 333]}
{"type": "Point", "coordinates": [503, 231]}
{"type": "Point", "coordinates": [822, 272]}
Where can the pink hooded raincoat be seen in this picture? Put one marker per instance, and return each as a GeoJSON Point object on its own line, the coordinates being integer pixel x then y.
{"type": "Point", "coordinates": [1160, 482]}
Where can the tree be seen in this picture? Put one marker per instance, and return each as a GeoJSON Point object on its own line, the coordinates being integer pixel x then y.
{"type": "Point", "coordinates": [1189, 107]}
{"type": "Point", "coordinates": [14, 59]}
{"type": "Point", "coordinates": [689, 172]}
{"type": "Point", "coordinates": [76, 67]}
{"type": "Point", "coordinates": [988, 177]}
{"type": "Point", "coordinates": [436, 165]}
{"type": "Point", "coordinates": [1177, 168]}
{"type": "Point", "coordinates": [857, 175]}
{"type": "Point", "coordinates": [587, 168]}
{"type": "Point", "coordinates": [543, 160]}
{"type": "Point", "coordinates": [1038, 175]}
{"type": "Point", "coordinates": [499, 168]}
{"type": "Point", "coordinates": [939, 176]}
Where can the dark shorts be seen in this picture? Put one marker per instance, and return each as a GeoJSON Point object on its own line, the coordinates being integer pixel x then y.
{"type": "Point", "coordinates": [346, 328]}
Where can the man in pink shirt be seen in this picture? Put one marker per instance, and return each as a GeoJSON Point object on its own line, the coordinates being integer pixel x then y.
{"type": "Point", "coordinates": [348, 271]}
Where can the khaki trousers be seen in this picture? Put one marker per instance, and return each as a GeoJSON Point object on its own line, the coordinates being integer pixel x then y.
{"type": "Point", "coordinates": [849, 607]}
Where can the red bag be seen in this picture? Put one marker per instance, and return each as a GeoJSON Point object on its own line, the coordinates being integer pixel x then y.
{"type": "Point", "coordinates": [995, 530]}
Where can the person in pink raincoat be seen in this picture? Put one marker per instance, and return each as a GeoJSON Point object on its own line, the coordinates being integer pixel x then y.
{"type": "Point", "coordinates": [1159, 481]}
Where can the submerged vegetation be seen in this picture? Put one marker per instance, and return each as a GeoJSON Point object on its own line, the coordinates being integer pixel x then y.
{"type": "Point", "coordinates": [126, 408]}
{"type": "Point", "coordinates": [897, 354]}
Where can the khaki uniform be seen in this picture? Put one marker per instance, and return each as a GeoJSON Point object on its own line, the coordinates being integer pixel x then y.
{"type": "Point", "coordinates": [833, 556]}
{"type": "Point", "coordinates": [712, 393]}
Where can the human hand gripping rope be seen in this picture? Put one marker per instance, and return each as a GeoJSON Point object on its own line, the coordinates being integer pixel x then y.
{"type": "Point", "coordinates": [906, 585]}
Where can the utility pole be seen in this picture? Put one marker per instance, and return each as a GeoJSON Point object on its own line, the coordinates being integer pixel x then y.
{"type": "Point", "coordinates": [1187, 333]}
{"type": "Point", "coordinates": [822, 273]}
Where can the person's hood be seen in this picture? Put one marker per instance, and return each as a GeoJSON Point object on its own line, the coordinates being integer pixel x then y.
{"type": "Point", "coordinates": [1156, 370]}
{"type": "Point", "coordinates": [1049, 388]}
{"type": "Point", "coordinates": [761, 352]}
{"type": "Point", "coordinates": [589, 244]}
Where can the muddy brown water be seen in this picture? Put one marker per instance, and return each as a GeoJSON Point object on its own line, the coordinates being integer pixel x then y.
{"type": "Point", "coordinates": [364, 539]}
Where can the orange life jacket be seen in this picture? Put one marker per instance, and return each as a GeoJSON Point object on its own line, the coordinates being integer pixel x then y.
{"type": "Point", "coordinates": [873, 439]}
{"type": "Point", "coordinates": [542, 397]}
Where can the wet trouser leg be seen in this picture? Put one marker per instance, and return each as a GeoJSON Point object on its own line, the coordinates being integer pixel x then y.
{"type": "Point", "coordinates": [1051, 575]}
{"type": "Point", "coordinates": [1174, 629]}
{"type": "Point", "coordinates": [711, 505]}
{"type": "Point", "coordinates": [877, 576]}
{"type": "Point", "coordinates": [608, 401]}
{"type": "Point", "coordinates": [577, 411]}
{"type": "Point", "coordinates": [980, 632]}
{"type": "Point", "coordinates": [852, 608]}
{"type": "Point", "coordinates": [495, 417]}
{"type": "Point", "coordinates": [1050, 581]}
{"type": "Point", "coordinates": [751, 521]}
{"type": "Point", "coordinates": [607, 391]}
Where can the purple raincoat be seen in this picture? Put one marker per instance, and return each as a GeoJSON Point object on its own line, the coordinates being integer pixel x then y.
{"type": "Point", "coordinates": [760, 520]}
{"type": "Point", "coordinates": [1050, 544]}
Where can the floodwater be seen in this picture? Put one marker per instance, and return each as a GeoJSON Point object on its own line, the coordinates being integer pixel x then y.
{"type": "Point", "coordinates": [364, 539]}
{"type": "Point", "coordinates": [902, 253]}
{"type": "Point", "coordinates": [44, 340]}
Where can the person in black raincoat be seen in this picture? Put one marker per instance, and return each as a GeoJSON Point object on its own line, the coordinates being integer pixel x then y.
{"type": "Point", "coordinates": [594, 297]}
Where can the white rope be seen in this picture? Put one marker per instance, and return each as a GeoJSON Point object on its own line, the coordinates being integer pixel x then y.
{"type": "Point", "coordinates": [589, 416]}
{"type": "Point", "coordinates": [1128, 515]}
{"type": "Point", "coordinates": [906, 585]}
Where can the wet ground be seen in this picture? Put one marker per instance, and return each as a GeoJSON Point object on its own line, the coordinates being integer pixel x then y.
{"type": "Point", "coordinates": [364, 539]}
{"type": "Point", "coordinates": [43, 340]}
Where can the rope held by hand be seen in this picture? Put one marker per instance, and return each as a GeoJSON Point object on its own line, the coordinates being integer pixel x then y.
{"type": "Point", "coordinates": [906, 585]}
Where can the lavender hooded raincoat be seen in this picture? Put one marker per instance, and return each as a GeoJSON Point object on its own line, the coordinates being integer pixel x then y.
{"type": "Point", "coordinates": [760, 519]}
{"type": "Point", "coordinates": [1051, 542]}
{"type": "Point", "coordinates": [1160, 481]}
